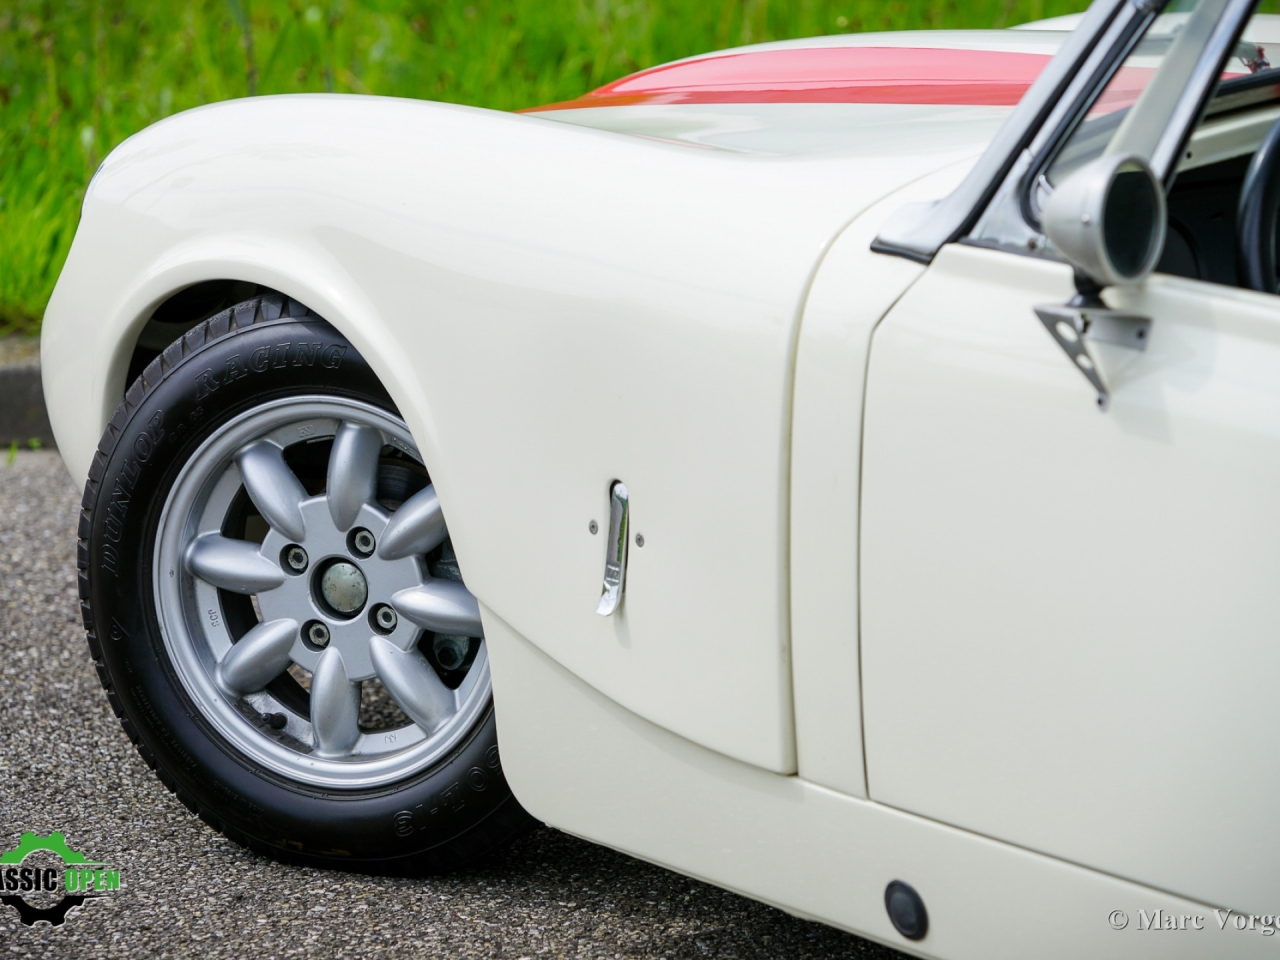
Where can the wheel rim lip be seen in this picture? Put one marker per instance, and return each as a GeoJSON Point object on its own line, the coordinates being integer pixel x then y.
{"type": "Point", "coordinates": [179, 606]}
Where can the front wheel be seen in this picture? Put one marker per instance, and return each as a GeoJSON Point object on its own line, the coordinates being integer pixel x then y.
{"type": "Point", "coordinates": [275, 608]}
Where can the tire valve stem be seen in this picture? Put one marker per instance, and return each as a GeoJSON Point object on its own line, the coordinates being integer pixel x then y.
{"type": "Point", "coordinates": [276, 721]}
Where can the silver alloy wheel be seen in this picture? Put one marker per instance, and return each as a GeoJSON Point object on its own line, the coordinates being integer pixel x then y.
{"type": "Point", "coordinates": [321, 596]}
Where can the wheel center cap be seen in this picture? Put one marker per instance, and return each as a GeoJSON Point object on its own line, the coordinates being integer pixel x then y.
{"type": "Point", "coordinates": [343, 587]}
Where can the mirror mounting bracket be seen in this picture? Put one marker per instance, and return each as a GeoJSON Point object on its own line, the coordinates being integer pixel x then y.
{"type": "Point", "coordinates": [1086, 317]}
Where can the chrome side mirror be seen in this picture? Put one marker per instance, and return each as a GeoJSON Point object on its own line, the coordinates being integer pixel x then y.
{"type": "Point", "coordinates": [1108, 220]}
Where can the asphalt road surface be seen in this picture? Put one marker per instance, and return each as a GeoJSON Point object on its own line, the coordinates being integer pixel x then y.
{"type": "Point", "coordinates": [65, 765]}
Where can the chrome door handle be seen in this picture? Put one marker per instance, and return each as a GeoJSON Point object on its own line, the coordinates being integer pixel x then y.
{"type": "Point", "coordinates": [615, 558]}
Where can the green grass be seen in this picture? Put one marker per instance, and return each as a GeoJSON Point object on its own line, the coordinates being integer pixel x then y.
{"type": "Point", "coordinates": [78, 76]}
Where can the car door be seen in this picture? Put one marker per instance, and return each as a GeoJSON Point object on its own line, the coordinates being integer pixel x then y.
{"type": "Point", "coordinates": [1069, 618]}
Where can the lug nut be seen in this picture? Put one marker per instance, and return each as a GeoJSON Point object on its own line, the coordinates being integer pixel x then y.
{"type": "Point", "coordinates": [362, 542]}
{"type": "Point", "coordinates": [318, 634]}
{"type": "Point", "coordinates": [295, 558]}
{"type": "Point", "coordinates": [384, 618]}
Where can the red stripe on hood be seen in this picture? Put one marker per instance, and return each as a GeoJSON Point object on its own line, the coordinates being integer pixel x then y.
{"type": "Point", "coordinates": [829, 75]}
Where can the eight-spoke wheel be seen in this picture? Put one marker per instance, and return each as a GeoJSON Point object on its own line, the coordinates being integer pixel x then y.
{"type": "Point", "coordinates": [276, 607]}
{"type": "Point", "coordinates": [337, 572]}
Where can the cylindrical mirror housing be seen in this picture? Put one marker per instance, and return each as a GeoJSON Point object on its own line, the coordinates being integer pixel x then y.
{"type": "Point", "coordinates": [1108, 220]}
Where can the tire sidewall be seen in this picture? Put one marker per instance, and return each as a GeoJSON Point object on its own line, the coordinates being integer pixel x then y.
{"type": "Point", "coordinates": [356, 828]}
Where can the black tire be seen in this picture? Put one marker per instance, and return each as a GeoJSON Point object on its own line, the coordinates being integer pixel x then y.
{"type": "Point", "coordinates": [456, 810]}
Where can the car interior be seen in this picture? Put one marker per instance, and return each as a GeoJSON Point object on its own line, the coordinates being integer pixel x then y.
{"type": "Point", "coordinates": [1201, 241]}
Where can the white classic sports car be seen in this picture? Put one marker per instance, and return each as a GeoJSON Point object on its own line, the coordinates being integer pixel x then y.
{"type": "Point", "coordinates": [861, 454]}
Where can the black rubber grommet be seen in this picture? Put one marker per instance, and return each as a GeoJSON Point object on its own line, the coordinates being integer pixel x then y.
{"type": "Point", "coordinates": [906, 910]}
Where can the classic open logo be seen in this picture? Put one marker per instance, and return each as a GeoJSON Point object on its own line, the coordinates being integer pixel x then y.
{"type": "Point", "coordinates": [44, 879]}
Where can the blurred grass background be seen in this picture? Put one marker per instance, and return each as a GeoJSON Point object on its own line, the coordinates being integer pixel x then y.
{"type": "Point", "coordinates": [79, 76]}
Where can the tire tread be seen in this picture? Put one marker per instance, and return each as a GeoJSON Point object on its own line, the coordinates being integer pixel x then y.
{"type": "Point", "coordinates": [156, 372]}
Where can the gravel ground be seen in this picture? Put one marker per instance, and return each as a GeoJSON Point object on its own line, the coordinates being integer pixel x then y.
{"type": "Point", "coordinates": [66, 765]}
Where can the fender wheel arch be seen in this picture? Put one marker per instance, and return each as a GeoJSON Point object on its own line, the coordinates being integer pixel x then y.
{"type": "Point", "coordinates": [504, 821]}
